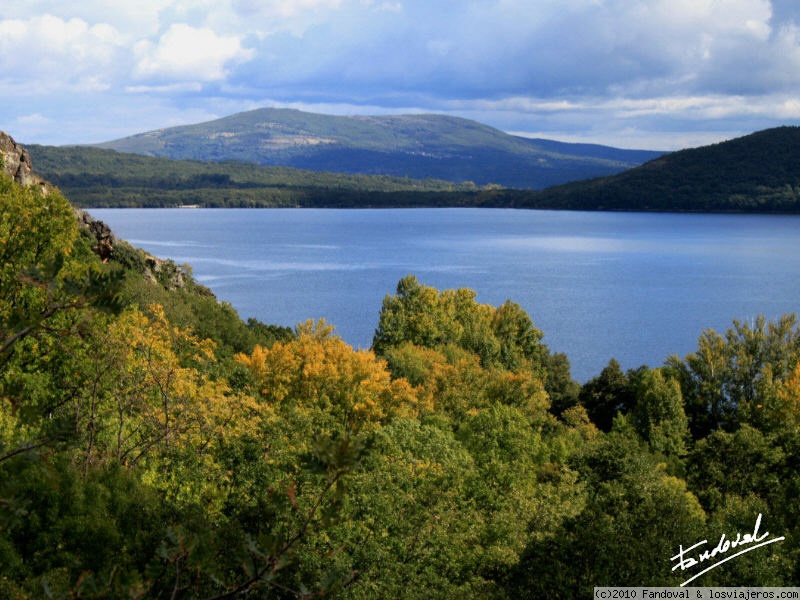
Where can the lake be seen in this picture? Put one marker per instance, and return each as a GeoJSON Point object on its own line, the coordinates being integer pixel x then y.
{"type": "Point", "coordinates": [633, 286]}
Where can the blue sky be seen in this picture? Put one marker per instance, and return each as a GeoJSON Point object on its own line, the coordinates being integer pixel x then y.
{"type": "Point", "coordinates": [656, 74]}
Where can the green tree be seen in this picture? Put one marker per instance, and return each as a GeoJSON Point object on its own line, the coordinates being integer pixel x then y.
{"type": "Point", "coordinates": [564, 391]}
{"type": "Point", "coordinates": [607, 395]}
{"type": "Point", "coordinates": [633, 517]}
{"type": "Point", "coordinates": [729, 378]}
{"type": "Point", "coordinates": [37, 236]}
{"type": "Point", "coordinates": [503, 336]}
{"type": "Point", "coordinates": [740, 463]}
{"type": "Point", "coordinates": [658, 414]}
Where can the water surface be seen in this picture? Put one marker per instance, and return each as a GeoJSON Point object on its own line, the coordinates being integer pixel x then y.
{"type": "Point", "coordinates": [633, 286]}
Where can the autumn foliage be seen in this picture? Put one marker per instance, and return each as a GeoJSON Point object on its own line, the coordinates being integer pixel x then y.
{"type": "Point", "coordinates": [152, 445]}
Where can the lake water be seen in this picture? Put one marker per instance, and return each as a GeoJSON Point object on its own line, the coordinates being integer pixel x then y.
{"type": "Point", "coordinates": [636, 287]}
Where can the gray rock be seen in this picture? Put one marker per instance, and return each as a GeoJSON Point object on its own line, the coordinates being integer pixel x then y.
{"type": "Point", "coordinates": [104, 239]}
{"type": "Point", "coordinates": [16, 162]}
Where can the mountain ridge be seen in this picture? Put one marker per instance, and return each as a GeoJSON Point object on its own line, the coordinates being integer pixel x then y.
{"type": "Point", "coordinates": [418, 146]}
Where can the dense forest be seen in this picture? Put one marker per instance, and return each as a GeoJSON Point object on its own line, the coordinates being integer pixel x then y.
{"type": "Point", "coordinates": [756, 173]}
{"type": "Point", "coordinates": [94, 177]}
{"type": "Point", "coordinates": [153, 445]}
{"type": "Point", "coordinates": [759, 172]}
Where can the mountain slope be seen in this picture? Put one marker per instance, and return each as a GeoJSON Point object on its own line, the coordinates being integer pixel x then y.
{"type": "Point", "coordinates": [416, 146]}
{"type": "Point", "coordinates": [759, 172]}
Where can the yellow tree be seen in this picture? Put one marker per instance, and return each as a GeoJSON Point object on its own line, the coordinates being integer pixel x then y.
{"type": "Point", "coordinates": [452, 381]}
{"type": "Point", "coordinates": [780, 410]}
{"type": "Point", "coordinates": [165, 382]}
{"type": "Point", "coordinates": [147, 400]}
{"type": "Point", "coordinates": [318, 372]}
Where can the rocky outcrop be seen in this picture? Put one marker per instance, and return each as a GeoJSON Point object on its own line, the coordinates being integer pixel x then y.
{"type": "Point", "coordinates": [164, 272]}
{"type": "Point", "coordinates": [16, 162]}
{"type": "Point", "coordinates": [109, 248]}
{"type": "Point", "coordinates": [101, 233]}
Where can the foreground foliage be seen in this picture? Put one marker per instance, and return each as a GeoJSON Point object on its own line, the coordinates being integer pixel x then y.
{"type": "Point", "coordinates": [152, 445]}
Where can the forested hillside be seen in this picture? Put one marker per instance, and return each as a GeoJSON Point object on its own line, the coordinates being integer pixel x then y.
{"type": "Point", "coordinates": [759, 172]}
{"type": "Point", "coordinates": [152, 445]}
{"type": "Point", "coordinates": [93, 177]}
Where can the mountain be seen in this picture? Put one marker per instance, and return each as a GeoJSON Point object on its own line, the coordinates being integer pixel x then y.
{"type": "Point", "coordinates": [759, 172]}
{"type": "Point", "coordinates": [415, 146]}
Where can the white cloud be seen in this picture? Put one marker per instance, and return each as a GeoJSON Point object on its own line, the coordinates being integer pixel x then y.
{"type": "Point", "coordinates": [289, 9]}
{"type": "Point", "coordinates": [169, 88]}
{"type": "Point", "coordinates": [265, 17]}
{"type": "Point", "coordinates": [187, 53]}
{"type": "Point", "coordinates": [133, 18]}
{"type": "Point", "coordinates": [598, 66]}
{"type": "Point", "coordinates": [61, 51]}
{"type": "Point", "coordinates": [35, 119]}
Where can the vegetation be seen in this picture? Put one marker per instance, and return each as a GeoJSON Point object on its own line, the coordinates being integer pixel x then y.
{"type": "Point", "coordinates": [92, 177]}
{"type": "Point", "coordinates": [756, 173]}
{"type": "Point", "coordinates": [154, 446]}
{"type": "Point", "coordinates": [417, 146]}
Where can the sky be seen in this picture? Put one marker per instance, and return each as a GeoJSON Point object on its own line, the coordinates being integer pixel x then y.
{"type": "Point", "coordinates": [648, 74]}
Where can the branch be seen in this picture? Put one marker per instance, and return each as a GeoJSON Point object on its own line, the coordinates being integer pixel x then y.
{"type": "Point", "coordinates": [23, 449]}
{"type": "Point", "coordinates": [44, 315]}
{"type": "Point", "coordinates": [246, 586]}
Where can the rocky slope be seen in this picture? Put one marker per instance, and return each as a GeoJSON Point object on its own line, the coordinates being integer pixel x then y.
{"type": "Point", "coordinates": [15, 161]}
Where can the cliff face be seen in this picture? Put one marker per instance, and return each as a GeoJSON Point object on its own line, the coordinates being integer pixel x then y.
{"type": "Point", "coordinates": [15, 160]}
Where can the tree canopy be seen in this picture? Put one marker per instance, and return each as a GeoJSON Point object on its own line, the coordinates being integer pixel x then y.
{"type": "Point", "coordinates": [153, 445]}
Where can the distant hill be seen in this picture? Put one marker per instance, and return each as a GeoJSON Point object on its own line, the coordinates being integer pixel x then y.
{"type": "Point", "coordinates": [415, 146]}
{"type": "Point", "coordinates": [759, 172]}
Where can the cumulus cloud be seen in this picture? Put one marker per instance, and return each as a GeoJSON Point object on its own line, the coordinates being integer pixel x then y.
{"type": "Point", "coordinates": [569, 66]}
{"type": "Point", "coordinates": [130, 18]}
{"type": "Point", "coordinates": [286, 9]}
{"type": "Point", "coordinates": [48, 48]}
{"type": "Point", "coordinates": [187, 53]}
{"type": "Point", "coordinates": [492, 48]}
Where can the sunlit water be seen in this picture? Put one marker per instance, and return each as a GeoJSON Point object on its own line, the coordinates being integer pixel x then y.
{"type": "Point", "coordinates": [636, 287]}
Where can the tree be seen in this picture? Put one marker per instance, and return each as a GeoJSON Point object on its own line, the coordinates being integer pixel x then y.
{"type": "Point", "coordinates": [728, 377]}
{"type": "Point", "coordinates": [410, 528]}
{"type": "Point", "coordinates": [318, 372]}
{"type": "Point", "coordinates": [634, 515]}
{"type": "Point", "coordinates": [741, 463]}
{"type": "Point", "coordinates": [40, 276]}
{"type": "Point", "coordinates": [780, 411]}
{"type": "Point", "coordinates": [606, 395]}
{"type": "Point", "coordinates": [563, 390]}
{"type": "Point", "coordinates": [658, 414]}
{"type": "Point", "coordinates": [501, 337]}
